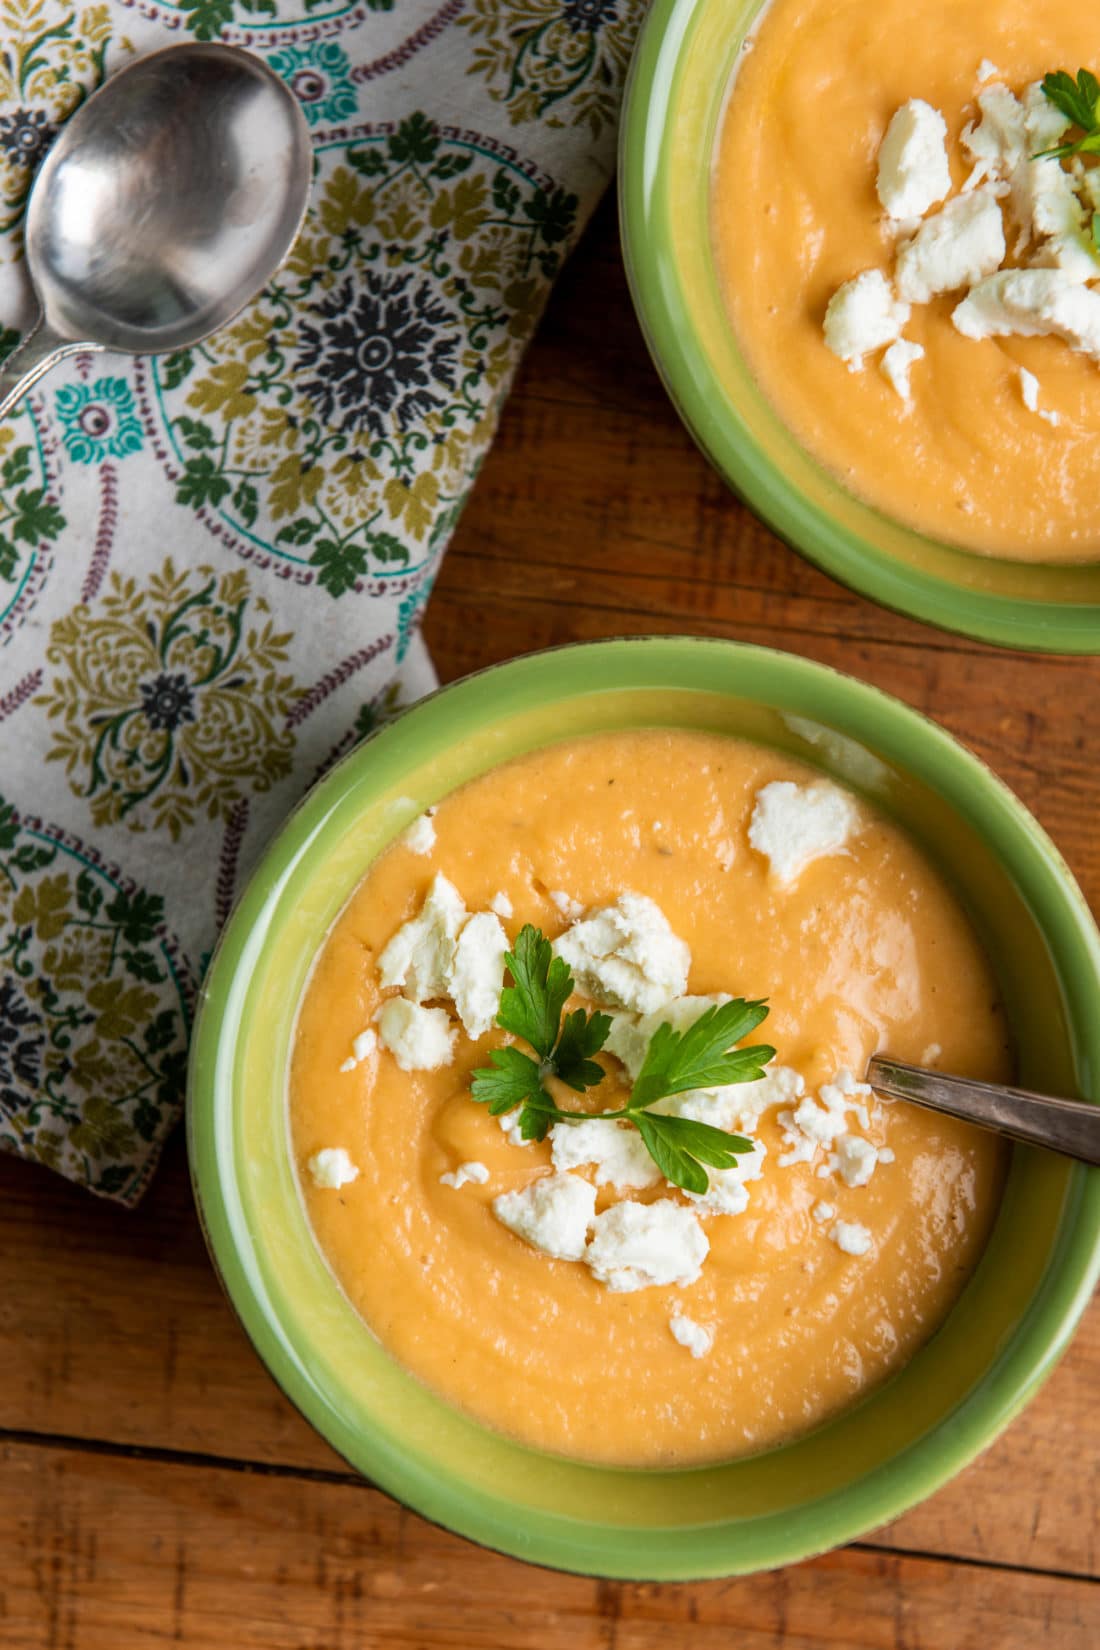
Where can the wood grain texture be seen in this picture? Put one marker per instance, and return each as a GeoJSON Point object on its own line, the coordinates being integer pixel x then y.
{"type": "Point", "coordinates": [234, 1524]}
{"type": "Point", "coordinates": [104, 1552]}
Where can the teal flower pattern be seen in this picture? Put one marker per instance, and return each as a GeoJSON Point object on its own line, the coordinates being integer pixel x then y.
{"type": "Point", "coordinates": [98, 420]}
{"type": "Point", "coordinates": [319, 75]}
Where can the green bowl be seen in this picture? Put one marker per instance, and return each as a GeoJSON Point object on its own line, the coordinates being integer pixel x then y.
{"type": "Point", "coordinates": [905, 1439]}
{"type": "Point", "coordinates": [674, 104]}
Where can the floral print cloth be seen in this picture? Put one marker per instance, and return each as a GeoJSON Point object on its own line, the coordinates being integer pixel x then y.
{"type": "Point", "coordinates": [213, 563]}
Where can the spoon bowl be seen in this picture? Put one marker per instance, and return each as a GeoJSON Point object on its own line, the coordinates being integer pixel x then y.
{"type": "Point", "coordinates": [168, 201]}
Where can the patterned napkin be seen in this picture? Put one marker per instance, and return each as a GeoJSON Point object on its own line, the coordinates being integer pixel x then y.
{"type": "Point", "coordinates": [213, 563]}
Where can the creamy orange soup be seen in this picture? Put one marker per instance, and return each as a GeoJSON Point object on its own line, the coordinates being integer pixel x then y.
{"type": "Point", "coordinates": [795, 215]}
{"type": "Point", "coordinates": [867, 950]}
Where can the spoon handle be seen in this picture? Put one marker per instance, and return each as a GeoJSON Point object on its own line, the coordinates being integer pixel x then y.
{"type": "Point", "coordinates": [38, 352]}
{"type": "Point", "coordinates": [1068, 1126]}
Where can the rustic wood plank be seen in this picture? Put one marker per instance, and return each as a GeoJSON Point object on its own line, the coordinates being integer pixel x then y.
{"type": "Point", "coordinates": [122, 1335]}
{"type": "Point", "coordinates": [102, 1552]}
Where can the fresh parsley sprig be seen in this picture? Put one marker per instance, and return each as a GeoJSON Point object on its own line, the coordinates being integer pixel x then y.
{"type": "Point", "coordinates": [702, 1056]}
{"type": "Point", "coordinates": [1079, 101]}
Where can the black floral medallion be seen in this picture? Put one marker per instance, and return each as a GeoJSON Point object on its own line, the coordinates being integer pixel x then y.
{"type": "Point", "coordinates": [20, 1049]}
{"type": "Point", "coordinates": [589, 16]}
{"type": "Point", "coordinates": [167, 701]}
{"type": "Point", "coordinates": [25, 136]}
{"type": "Point", "coordinates": [378, 354]}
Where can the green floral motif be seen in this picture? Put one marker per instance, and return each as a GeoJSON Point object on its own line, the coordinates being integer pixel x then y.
{"type": "Point", "coordinates": [563, 62]}
{"type": "Point", "coordinates": [215, 19]}
{"type": "Point", "coordinates": [93, 1012]}
{"type": "Point", "coordinates": [29, 519]}
{"type": "Point", "coordinates": [319, 75]}
{"type": "Point", "coordinates": [168, 700]}
{"type": "Point", "coordinates": [350, 404]}
{"type": "Point", "coordinates": [98, 420]}
{"type": "Point", "coordinates": [53, 56]}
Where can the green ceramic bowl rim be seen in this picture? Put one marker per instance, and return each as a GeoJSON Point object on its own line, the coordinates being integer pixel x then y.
{"type": "Point", "coordinates": [899, 735]}
{"type": "Point", "coordinates": [701, 398]}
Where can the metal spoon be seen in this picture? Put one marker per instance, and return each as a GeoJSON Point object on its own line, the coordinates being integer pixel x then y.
{"type": "Point", "coordinates": [1068, 1126]}
{"type": "Point", "coordinates": [168, 201]}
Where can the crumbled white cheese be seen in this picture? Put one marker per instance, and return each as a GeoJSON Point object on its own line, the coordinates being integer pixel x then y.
{"type": "Point", "coordinates": [913, 172]}
{"type": "Point", "coordinates": [987, 71]}
{"type": "Point", "coordinates": [569, 907]}
{"type": "Point", "coordinates": [1029, 392]}
{"type": "Point", "coordinates": [616, 1151]}
{"type": "Point", "coordinates": [1031, 303]}
{"type": "Point", "coordinates": [955, 248]}
{"type": "Point", "coordinates": [862, 316]}
{"type": "Point", "coordinates": [349, 1064]}
{"type": "Point", "coordinates": [850, 1236]}
{"type": "Point", "coordinates": [501, 905]}
{"type": "Point", "coordinates": [1044, 122]}
{"type": "Point", "coordinates": [630, 1034]}
{"type": "Point", "coordinates": [886, 1154]}
{"type": "Point", "coordinates": [476, 975]}
{"type": "Point", "coordinates": [696, 1337]}
{"type": "Point", "coordinates": [474, 1172]}
{"type": "Point", "coordinates": [854, 1159]}
{"type": "Point", "coordinates": [897, 362]}
{"type": "Point", "coordinates": [998, 142]}
{"type": "Point", "coordinates": [1072, 253]}
{"type": "Point", "coordinates": [645, 1245]}
{"type": "Point", "coordinates": [812, 1125]}
{"type": "Point", "coordinates": [794, 825]}
{"type": "Point", "coordinates": [418, 958]}
{"type": "Point", "coordinates": [745, 1103]}
{"type": "Point", "coordinates": [363, 1046]}
{"type": "Point", "coordinates": [509, 1123]}
{"type": "Point", "coordinates": [626, 955]}
{"type": "Point", "coordinates": [420, 1039]}
{"type": "Point", "coordinates": [726, 1192]}
{"type": "Point", "coordinates": [823, 1211]}
{"type": "Point", "coordinates": [846, 1091]}
{"type": "Point", "coordinates": [332, 1168]}
{"type": "Point", "coordinates": [419, 838]}
{"type": "Point", "coordinates": [1044, 201]}
{"type": "Point", "coordinates": [552, 1214]}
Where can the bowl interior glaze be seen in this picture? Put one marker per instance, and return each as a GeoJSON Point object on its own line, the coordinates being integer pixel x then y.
{"type": "Point", "coordinates": [899, 1443]}
{"type": "Point", "coordinates": [675, 99]}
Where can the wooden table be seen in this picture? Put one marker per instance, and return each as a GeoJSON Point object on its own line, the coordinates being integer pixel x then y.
{"type": "Point", "coordinates": [156, 1486]}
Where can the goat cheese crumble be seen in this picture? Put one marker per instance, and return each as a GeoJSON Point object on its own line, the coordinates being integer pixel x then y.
{"type": "Point", "coordinates": [476, 975]}
{"type": "Point", "coordinates": [626, 955]}
{"type": "Point", "coordinates": [862, 316]}
{"type": "Point", "coordinates": [646, 1245]}
{"type": "Point", "coordinates": [419, 956]}
{"type": "Point", "coordinates": [552, 1214]}
{"type": "Point", "coordinates": [419, 837]}
{"type": "Point", "coordinates": [420, 1039]}
{"type": "Point", "coordinates": [696, 1337]}
{"type": "Point", "coordinates": [913, 170]}
{"type": "Point", "coordinates": [794, 825]}
{"type": "Point", "coordinates": [851, 1237]}
{"type": "Point", "coordinates": [615, 1151]}
{"type": "Point", "coordinates": [332, 1168]}
{"type": "Point", "coordinates": [475, 1173]}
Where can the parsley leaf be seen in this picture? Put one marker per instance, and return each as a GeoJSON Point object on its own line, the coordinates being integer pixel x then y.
{"type": "Point", "coordinates": [679, 1146]}
{"type": "Point", "coordinates": [1079, 101]}
{"type": "Point", "coordinates": [582, 1035]}
{"type": "Point", "coordinates": [531, 1007]}
{"type": "Point", "coordinates": [700, 1057]}
{"type": "Point", "coordinates": [513, 1079]}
